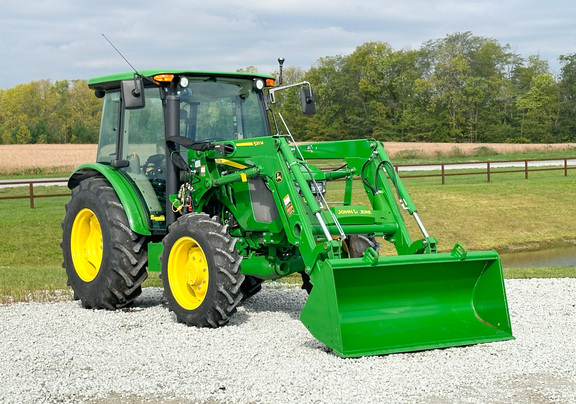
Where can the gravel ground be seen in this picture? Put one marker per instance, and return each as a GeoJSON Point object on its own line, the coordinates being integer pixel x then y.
{"type": "Point", "coordinates": [59, 352]}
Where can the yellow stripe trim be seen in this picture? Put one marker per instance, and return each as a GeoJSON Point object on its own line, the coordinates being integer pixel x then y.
{"type": "Point", "coordinates": [230, 163]}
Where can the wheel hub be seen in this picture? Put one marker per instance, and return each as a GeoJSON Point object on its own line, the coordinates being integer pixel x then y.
{"type": "Point", "coordinates": [188, 273]}
{"type": "Point", "coordinates": [86, 245]}
{"type": "Point", "coordinates": [196, 270]}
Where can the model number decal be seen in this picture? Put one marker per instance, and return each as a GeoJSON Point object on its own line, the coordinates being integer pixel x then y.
{"type": "Point", "coordinates": [255, 143]}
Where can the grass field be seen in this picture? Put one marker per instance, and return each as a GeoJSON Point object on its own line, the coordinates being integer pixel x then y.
{"type": "Point", "coordinates": [510, 213]}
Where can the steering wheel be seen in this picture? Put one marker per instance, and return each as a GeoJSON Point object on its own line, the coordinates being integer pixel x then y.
{"type": "Point", "coordinates": [212, 139]}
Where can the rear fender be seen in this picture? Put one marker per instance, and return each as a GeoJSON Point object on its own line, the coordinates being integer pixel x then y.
{"type": "Point", "coordinates": [134, 210]}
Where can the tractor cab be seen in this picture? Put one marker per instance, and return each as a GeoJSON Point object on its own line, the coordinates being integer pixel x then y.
{"type": "Point", "coordinates": [203, 107]}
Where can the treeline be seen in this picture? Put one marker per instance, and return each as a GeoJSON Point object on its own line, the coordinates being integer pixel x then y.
{"type": "Point", "coordinates": [46, 112]}
{"type": "Point", "coordinates": [461, 88]}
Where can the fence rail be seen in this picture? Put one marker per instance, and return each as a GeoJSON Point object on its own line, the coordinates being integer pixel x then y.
{"type": "Point", "coordinates": [488, 167]}
{"type": "Point", "coordinates": [527, 166]}
{"type": "Point", "coordinates": [31, 195]}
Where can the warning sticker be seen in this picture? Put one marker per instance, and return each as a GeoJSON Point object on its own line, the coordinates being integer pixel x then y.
{"type": "Point", "coordinates": [288, 205]}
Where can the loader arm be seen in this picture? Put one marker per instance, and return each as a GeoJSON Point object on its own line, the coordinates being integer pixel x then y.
{"type": "Point", "coordinates": [369, 161]}
{"type": "Point", "coordinates": [270, 198]}
{"type": "Point", "coordinates": [419, 299]}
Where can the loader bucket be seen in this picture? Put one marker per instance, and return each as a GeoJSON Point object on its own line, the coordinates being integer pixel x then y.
{"type": "Point", "coordinates": [407, 303]}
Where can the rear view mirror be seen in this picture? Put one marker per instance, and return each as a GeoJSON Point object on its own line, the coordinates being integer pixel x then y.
{"type": "Point", "coordinates": [308, 106]}
{"type": "Point", "coordinates": [133, 93]}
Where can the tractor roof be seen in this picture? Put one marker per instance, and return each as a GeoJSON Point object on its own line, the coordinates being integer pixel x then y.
{"type": "Point", "coordinates": [112, 81]}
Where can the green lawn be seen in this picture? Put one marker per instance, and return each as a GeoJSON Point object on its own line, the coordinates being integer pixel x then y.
{"type": "Point", "coordinates": [508, 213]}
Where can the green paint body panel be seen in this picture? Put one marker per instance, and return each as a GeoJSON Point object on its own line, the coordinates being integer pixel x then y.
{"type": "Point", "coordinates": [407, 303]}
{"type": "Point", "coordinates": [137, 217]}
{"type": "Point", "coordinates": [113, 80]}
{"type": "Point", "coordinates": [154, 252]}
{"type": "Point", "coordinates": [415, 300]}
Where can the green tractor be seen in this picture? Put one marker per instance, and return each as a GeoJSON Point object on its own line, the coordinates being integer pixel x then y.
{"type": "Point", "coordinates": [194, 179]}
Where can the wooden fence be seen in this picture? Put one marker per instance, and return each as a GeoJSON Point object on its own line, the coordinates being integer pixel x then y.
{"type": "Point", "coordinates": [31, 195]}
{"type": "Point", "coordinates": [486, 168]}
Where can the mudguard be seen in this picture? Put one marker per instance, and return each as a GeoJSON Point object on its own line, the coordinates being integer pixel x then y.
{"type": "Point", "coordinates": [135, 212]}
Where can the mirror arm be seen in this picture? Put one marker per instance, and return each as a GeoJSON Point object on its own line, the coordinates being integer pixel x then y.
{"type": "Point", "coordinates": [273, 90]}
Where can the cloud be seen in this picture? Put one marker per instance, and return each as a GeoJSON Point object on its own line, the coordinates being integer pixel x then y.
{"type": "Point", "coordinates": [62, 39]}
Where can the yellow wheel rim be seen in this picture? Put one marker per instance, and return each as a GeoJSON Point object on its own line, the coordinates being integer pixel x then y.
{"type": "Point", "coordinates": [188, 273]}
{"type": "Point", "coordinates": [86, 245]}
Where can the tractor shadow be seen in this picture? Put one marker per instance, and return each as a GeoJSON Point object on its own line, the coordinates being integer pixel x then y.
{"type": "Point", "coordinates": [150, 297]}
{"type": "Point", "coordinates": [271, 299]}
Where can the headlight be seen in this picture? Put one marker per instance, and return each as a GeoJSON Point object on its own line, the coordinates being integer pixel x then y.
{"type": "Point", "coordinates": [259, 84]}
{"type": "Point", "coordinates": [183, 82]}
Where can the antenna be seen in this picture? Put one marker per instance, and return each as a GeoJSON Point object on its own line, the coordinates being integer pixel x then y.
{"type": "Point", "coordinates": [120, 53]}
{"type": "Point", "coordinates": [136, 91]}
{"type": "Point", "coordinates": [280, 62]}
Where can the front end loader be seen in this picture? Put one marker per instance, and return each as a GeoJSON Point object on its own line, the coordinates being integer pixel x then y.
{"type": "Point", "coordinates": [194, 179]}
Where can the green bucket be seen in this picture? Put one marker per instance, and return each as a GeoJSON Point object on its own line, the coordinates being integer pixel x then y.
{"type": "Point", "coordinates": [407, 303]}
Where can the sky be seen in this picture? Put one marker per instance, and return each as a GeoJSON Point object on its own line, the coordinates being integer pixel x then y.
{"type": "Point", "coordinates": [62, 39]}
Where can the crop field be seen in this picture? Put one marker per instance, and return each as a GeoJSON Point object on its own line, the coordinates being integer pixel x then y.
{"type": "Point", "coordinates": [397, 149]}
{"type": "Point", "coordinates": [16, 158]}
{"type": "Point", "coordinates": [19, 157]}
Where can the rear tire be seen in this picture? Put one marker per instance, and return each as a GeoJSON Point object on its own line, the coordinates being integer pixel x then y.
{"type": "Point", "coordinates": [356, 246]}
{"type": "Point", "coordinates": [359, 243]}
{"type": "Point", "coordinates": [105, 261]}
{"type": "Point", "coordinates": [201, 271]}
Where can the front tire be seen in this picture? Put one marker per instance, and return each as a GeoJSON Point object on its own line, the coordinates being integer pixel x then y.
{"type": "Point", "coordinates": [105, 261]}
{"type": "Point", "coordinates": [201, 271]}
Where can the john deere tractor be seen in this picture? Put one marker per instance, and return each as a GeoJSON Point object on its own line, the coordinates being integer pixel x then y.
{"type": "Point", "coordinates": [197, 178]}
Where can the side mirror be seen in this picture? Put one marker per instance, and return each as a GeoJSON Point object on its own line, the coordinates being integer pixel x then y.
{"type": "Point", "coordinates": [133, 93]}
{"type": "Point", "coordinates": [308, 106]}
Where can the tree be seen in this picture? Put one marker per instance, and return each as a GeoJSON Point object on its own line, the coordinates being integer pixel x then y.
{"type": "Point", "coordinates": [401, 72]}
{"type": "Point", "coordinates": [467, 77]}
{"type": "Point", "coordinates": [567, 98]}
{"type": "Point", "coordinates": [23, 135]}
{"type": "Point", "coordinates": [540, 105]}
{"type": "Point", "coordinates": [58, 112]}
{"type": "Point", "coordinates": [460, 88]}
{"type": "Point", "coordinates": [329, 89]}
{"type": "Point", "coordinates": [85, 112]}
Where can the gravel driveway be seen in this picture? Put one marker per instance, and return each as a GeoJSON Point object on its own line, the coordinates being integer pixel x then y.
{"type": "Point", "coordinates": [59, 352]}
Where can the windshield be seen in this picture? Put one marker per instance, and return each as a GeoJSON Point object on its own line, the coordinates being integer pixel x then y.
{"type": "Point", "coordinates": [221, 109]}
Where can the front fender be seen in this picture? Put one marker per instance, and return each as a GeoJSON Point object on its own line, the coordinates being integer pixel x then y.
{"type": "Point", "coordinates": [134, 210]}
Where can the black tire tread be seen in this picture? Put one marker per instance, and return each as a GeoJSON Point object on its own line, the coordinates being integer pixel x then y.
{"type": "Point", "coordinates": [228, 278]}
{"type": "Point", "coordinates": [124, 262]}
